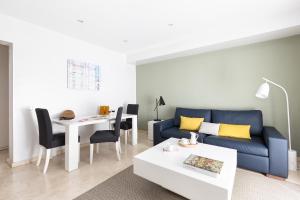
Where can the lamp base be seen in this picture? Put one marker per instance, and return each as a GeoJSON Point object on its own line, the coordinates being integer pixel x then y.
{"type": "Point", "coordinates": [157, 120]}
{"type": "Point", "coordinates": [292, 160]}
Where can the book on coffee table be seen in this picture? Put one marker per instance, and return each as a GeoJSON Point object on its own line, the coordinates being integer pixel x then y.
{"type": "Point", "coordinates": [204, 165]}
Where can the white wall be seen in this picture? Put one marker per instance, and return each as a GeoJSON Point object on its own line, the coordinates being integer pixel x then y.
{"type": "Point", "coordinates": [39, 78]}
{"type": "Point", "coordinates": [4, 128]}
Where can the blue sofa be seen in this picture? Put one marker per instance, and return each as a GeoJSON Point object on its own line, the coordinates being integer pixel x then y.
{"type": "Point", "coordinates": [266, 152]}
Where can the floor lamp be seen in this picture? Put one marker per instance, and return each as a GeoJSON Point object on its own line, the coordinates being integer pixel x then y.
{"type": "Point", "coordinates": [263, 93]}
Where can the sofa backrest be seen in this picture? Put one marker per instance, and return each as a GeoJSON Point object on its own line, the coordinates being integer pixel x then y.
{"type": "Point", "coordinates": [189, 112]}
{"type": "Point", "coordinates": [245, 117]}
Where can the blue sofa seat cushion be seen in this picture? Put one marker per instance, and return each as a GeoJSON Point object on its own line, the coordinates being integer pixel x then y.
{"type": "Point", "coordinates": [255, 146]}
{"type": "Point", "coordinates": [175, 132]}
{"type": "Point", "coordinates": [189, 112]}
{"type": "Point", "coordinates": [244, 117]}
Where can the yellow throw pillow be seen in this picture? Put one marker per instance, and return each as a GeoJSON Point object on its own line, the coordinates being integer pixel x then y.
{"type": "Point", "coordinates": [190, 123]}
{"type": "Point", "coordinates": [234, 130]}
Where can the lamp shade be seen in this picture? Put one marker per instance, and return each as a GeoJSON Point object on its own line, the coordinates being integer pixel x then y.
{"type": "Point", "coordinates": [161, 101]}
{"type": "Point", "coordinates": [263, 91]}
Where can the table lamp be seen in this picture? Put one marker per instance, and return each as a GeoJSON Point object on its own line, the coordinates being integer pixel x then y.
{"type": "Point", "coordinates": [263, 93]}
{"type": "Point", "coordinates": [159, 102]}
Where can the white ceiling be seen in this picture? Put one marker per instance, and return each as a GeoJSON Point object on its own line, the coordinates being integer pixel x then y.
{"type": "Point", "coordinates": [145, 23]}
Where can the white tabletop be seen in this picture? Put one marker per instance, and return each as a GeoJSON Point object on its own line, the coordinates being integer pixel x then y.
{"type": "Point", "coordinates": [174, 161]}
{"type": "Point", "coordinates": [87, 120]}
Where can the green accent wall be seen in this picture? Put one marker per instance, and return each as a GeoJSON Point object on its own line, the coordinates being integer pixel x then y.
{"type": "Point", "coordinates": [226, 79]}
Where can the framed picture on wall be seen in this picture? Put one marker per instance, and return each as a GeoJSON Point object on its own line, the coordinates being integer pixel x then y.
{"type": "Point", "coordinates": [83, 75]}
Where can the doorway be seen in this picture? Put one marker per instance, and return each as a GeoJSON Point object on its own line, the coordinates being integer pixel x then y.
{"type": "Point", "coordinates": [6, 101]}
{"type": "Point", "coordinates": [4, 97]}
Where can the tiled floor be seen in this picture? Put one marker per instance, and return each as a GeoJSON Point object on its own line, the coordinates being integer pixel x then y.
{"type": "Point", "coordinates": [28, 181]}
{"type": "Point", "coordinates": [294, 176]}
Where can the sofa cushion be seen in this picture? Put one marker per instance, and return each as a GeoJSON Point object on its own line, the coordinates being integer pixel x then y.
{"type": "Point", "coordinates": [190, 123]}
{"type": "Point", "coordinates": [235, 131]}
{"type": "Point", "coordinates": [245, 117]}
{"type": "Point", "coordinates": [209, 128]}
{"type": "Point", "coordinates": [189, 112]}
{"type": "Point", "coordinates": [175, 132]}
{"type": "Point", "coordinates": [255, 146]}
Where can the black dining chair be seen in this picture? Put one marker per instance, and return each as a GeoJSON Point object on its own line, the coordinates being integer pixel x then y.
{"type": "Point", "coordinates": [127, 124]}
{"type": "Point", "coordinates": [47, 139]}
{"type": "Point", "coordinates": [103, 136]}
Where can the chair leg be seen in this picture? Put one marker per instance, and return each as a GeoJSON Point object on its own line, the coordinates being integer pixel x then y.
{"type": "Point", "coordinates": [78, 152]}
{"type": "Point", "coordinates": [40, 156]}
{"type": "Point", "coordinates": [91, 153]}
{"type": "Point", "coordinates": [120, 146]}
{"type": "Point", "coordinates": [118, 150]}
{"type": "Point", "coordinates": [97, 148]}
{"type": "Point", "coordinates": [119, 142]}
{"type": "Point", "coordinates": [48, 154]}
{"type": "Point", "coordinates": [126, 136]}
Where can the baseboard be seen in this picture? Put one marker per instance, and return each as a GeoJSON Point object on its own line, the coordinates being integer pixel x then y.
{"type": "Point", "coordinates": [34, 159]}
{"type": "Point", "coordinates": [3, 148]}
{"type": "Point", "coordinates": [17, 164]}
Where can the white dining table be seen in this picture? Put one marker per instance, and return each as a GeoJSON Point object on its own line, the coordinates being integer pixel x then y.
{"type": "Point", "coordinates": [71, 135]}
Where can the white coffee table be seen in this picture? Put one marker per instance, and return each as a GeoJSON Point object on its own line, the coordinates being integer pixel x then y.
{"type": "Point", "coordinates": [167, 169]}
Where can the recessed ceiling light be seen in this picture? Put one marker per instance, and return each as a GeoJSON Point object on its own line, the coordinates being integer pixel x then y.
{"type": "Point", "coordinates": [81, 21]}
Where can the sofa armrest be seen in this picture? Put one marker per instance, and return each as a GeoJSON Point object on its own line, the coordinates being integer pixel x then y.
{"type": "Point", "coordinates": [278, 152]}
{"type": "Point", "coordinates": [163, 125]}
{"type": "Point", "coordinates": [159, 127]}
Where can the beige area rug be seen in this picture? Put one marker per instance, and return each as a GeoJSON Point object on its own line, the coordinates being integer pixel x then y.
{"type": "Point", "coordinates": [248, 186]}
